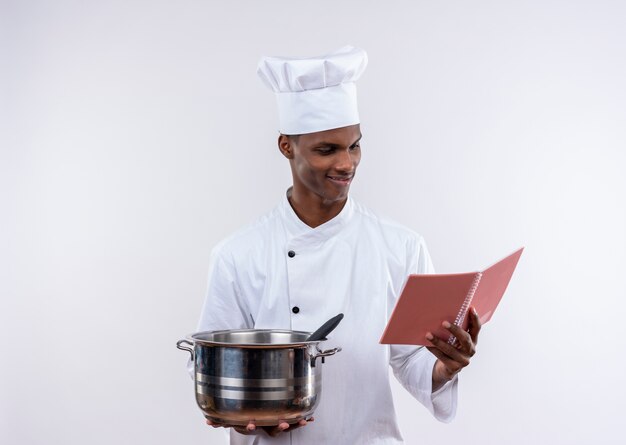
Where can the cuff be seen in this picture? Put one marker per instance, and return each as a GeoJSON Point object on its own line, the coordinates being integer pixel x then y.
{"type": "Point", "coordinates": [444, 400]}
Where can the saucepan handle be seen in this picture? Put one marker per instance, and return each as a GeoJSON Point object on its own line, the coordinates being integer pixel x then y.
{"type": "Point", "coordinates": [323, 354]}
{"type": "Point", "coordinates": [180, 343]}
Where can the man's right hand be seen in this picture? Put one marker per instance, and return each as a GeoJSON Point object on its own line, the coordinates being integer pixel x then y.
{"type": "Point", "coordinates": [251, 428]}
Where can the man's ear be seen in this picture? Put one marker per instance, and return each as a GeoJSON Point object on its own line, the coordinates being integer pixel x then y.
{"type": "Point", "coordinates": [285, 145]}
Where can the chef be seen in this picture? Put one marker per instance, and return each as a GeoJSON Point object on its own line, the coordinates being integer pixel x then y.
{"type": "Point", "coordinates": [318, 253]}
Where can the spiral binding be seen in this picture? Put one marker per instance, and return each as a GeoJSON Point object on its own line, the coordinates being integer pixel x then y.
{"type": "Point", "coordinates": [465, 306]}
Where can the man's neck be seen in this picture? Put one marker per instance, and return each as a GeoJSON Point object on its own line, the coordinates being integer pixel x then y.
{"type": "Point", "coordinates": [312, 209]}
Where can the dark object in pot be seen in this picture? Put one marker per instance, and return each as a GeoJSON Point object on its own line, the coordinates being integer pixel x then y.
{"type": "Point", "coordinates": [259, 375]}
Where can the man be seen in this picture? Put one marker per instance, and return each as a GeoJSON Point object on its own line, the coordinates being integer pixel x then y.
{"type": "Point", "coordinates": [320, 253]}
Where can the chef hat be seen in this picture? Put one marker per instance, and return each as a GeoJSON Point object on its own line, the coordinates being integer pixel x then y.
{"type": "Point", "coordinates": [316, 93]}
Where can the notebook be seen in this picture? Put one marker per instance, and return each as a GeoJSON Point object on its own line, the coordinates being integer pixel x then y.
{"type": "Point", "coordinates": [429, 299]}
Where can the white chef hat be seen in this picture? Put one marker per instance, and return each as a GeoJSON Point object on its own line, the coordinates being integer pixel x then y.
{"type": "Point", "coordinates": [316, 93]}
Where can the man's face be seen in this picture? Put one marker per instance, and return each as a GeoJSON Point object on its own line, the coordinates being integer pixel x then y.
{"type": "Point", "coordinates": [324, 163]}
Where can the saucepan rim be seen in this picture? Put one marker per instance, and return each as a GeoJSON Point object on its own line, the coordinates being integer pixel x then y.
{"type": "Point", "coordinates": [192, 338]}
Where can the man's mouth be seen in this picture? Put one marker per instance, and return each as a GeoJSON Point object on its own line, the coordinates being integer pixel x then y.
{"type": "Point", "coordinates": [341, 180]}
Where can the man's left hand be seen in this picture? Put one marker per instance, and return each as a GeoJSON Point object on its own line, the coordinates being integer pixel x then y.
{"type": "Point", "coordinates": [453, 358]}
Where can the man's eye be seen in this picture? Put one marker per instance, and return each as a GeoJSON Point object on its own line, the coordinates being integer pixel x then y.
{"type": "Point", "coordinates": [355, 147]}
{"type": "Point", "coordinates": [325, 151]}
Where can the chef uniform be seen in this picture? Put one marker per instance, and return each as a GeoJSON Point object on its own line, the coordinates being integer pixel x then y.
{"type": "Point", "coordinates": [279, 273]}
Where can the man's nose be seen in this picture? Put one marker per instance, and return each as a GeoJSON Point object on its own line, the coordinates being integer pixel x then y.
{"type": "Point", "coordinates": [346, 161]}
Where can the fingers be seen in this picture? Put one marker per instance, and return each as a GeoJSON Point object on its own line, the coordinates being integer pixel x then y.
{"type": "Point", "coordinates": [452, 366]}
{"type": "Point", "coordinates": [458, 355]}
{"type": "Point", "coordinates": [276, 430]}
{"type": "Point", "coordinates": [251, 428]}
{"type": "Point", "coordinates": [300, 424]}
{"type": "Point", "coordinates": [463, 339]}
{"type": "Point", "coordinates": [214, 424]}
{"type": "Point", "coordinates": [284, 427]}
{"type": "Point", "coordinates": [442, 357]}
{"type": "Point", "coordinates": [242, 430]}
{"type": "Point", "coordinates": [474, 325]}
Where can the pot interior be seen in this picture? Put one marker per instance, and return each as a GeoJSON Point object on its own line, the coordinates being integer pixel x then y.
{"type": "Point", "coordinates": [253, 337]}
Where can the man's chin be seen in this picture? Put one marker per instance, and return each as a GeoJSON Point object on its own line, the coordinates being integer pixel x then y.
{"type": "Point", "coordinates": [337, 196]}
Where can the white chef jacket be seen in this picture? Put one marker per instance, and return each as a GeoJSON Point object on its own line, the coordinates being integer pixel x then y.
{"type": "Point", "coordinates": [355, 264]}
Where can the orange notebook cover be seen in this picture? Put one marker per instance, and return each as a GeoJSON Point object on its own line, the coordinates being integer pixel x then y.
{"type": "Point", "coordinates": [429, 299]}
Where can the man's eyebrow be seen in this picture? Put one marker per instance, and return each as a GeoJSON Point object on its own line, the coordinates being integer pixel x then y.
{"type": "Point", "coordinates": [332, 144]}
{"type": "Point", "coordinates": [358, 139]}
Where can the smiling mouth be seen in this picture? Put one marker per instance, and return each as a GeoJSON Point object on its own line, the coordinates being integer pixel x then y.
{"type": "Point", "coordinates": [342, 180]}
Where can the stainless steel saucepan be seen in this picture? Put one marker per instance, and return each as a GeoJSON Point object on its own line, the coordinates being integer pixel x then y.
{"type": "Point", "coordinates": [259, 375]}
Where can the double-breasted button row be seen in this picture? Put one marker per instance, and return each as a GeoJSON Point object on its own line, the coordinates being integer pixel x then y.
{"type": "Point", "coordinates": [292, 254]}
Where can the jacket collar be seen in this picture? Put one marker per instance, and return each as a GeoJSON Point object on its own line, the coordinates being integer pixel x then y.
{"type": "Point", "coordinates": [298, 233]}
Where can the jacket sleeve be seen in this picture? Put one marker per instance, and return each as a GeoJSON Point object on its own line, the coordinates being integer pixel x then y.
{"type": "Point", "coordinates": [413, 365]}
{"type": "Point", "coordinates": [224, 306]}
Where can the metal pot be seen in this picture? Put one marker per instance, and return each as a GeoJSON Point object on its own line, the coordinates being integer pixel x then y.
{"type": "Point", "coordinates": [259, 375]}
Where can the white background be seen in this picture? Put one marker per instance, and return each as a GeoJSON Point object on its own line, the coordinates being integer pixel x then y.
{"type": "Point", "coordinates": [135, 135]}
